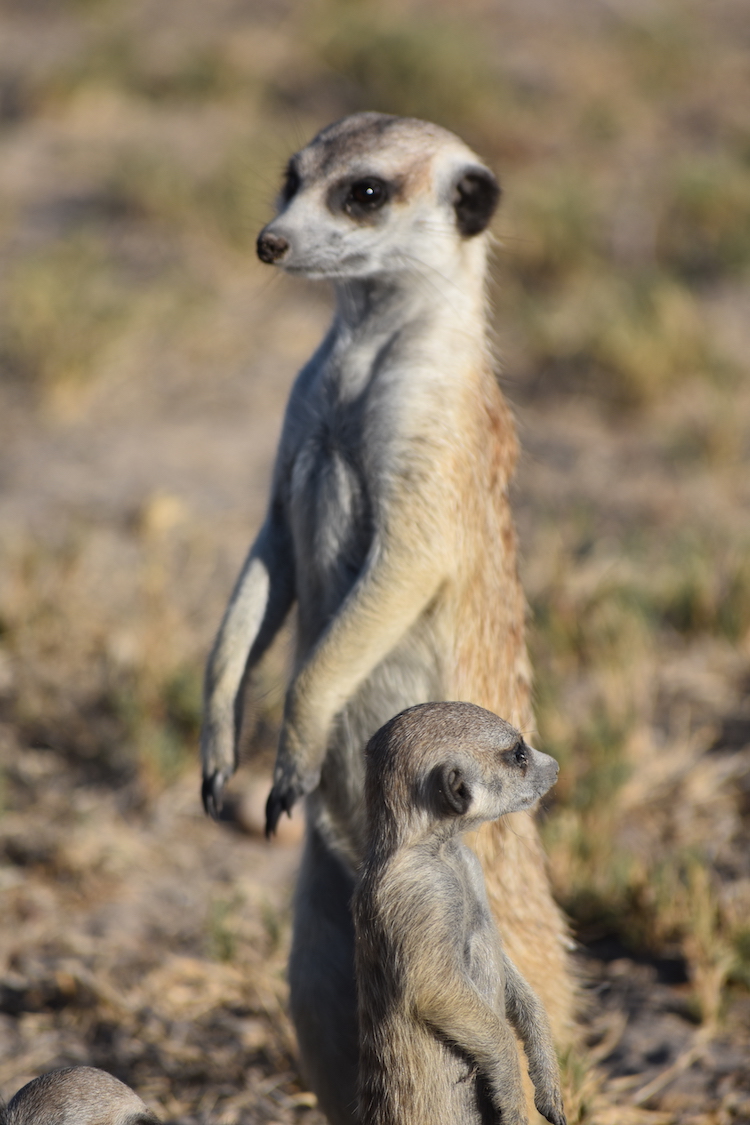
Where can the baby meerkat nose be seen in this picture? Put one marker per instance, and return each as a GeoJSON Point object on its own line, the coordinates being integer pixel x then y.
{"type": "Point", "coordinates": [271, 247]}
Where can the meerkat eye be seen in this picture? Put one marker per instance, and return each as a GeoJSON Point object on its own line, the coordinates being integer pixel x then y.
{"type": "Point", "coordinates": [368, 194]}
{"type": "Point", "coordinates": [291, 184]}
{"type": "Point", "coordinates": [520, 757]}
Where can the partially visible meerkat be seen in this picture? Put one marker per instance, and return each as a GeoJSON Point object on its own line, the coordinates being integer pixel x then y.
{"type": "Point", "coordinates": [389, 526]}
{"type": "Point", "coordinates": [77, 1095]}
{"type": "Point", "coordinates": [436, 990]}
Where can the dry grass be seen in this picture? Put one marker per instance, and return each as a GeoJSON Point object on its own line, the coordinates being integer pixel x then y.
{"type": "Point", "coordinates": [144, 362]}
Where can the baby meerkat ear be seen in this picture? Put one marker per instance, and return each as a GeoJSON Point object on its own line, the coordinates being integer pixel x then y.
{"type": "Point", "coordinates": [475, 197]}
{"type": "Point", "coordinates": [454, 789]}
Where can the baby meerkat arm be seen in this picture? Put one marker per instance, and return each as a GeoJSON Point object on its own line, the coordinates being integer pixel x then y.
{"type": "Point", "coordinates": [261, 600]}
{"type": "Point", "coordinates": [456, 1011]}
{"type": "Point", "coordinates": [528, 1017]}
{"type": "Point", "coordinates": [397, 583]}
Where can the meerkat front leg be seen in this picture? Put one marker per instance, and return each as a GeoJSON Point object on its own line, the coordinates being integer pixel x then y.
{"type": "Point", "coordinates": [527, 1015]}
{"type": "Point", "coordinates": [261, 600]}
{"type": "Point", "coordinates": [398, 581]}
{"type": "Point", "coordinates": [456, 1011]}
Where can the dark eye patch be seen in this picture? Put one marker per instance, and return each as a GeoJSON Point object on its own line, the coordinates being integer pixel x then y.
{"type": "Point", "coordinates": [291, 184]}
{"type": "Point", "coordinates": [362, 198]}
{"type": "Point", "coordinates": [518, 755]}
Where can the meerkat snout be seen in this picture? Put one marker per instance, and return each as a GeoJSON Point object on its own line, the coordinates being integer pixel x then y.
{"type": "Point", "coordinates": [271, 247]}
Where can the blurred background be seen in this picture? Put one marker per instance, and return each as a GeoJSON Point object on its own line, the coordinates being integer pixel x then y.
{"type": "Point", "coordinates": [145, 358]}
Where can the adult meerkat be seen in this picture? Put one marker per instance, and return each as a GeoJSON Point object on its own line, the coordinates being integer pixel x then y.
{"type": "Point", "coordinates": [77, 1095]}
{"type": "Point", "coordinates": [389, 525]}
{"type": "Point", "coordinates": [436, 990]}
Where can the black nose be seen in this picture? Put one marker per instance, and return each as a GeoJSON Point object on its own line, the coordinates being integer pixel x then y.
{"type": "Point", "coordinates": [271, 247]}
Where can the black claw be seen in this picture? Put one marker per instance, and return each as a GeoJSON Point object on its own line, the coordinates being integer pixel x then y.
{"type": "Point", "coordinates": [556, 1117]}
{"type": "Point", "coordinates": [274, 809]}
{"type": "Point", "coordinates": [212, 793]}
{"type": "Point", "coordinates": [276, 804]}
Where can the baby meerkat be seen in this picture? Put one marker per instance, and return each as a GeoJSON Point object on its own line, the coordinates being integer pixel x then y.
{"type": "Point", "coordinates": [77, 1095]}
{"type": "Point", "coordinates": [389, 526]}
{"type": "Point", "coordinates": [436, 990]}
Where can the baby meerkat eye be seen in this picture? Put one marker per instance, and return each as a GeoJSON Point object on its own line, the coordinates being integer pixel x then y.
{"type": "Point", "coordinates": [520, 756]}
{"type": "Point", "coordinates": [368, 194]}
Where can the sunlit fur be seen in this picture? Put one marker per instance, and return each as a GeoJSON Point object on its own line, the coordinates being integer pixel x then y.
{"type": "Point", "coordinates": [77, 1095]}
{"type": "Point", "coordinates": [389, 525]}
{"type": "Point", "coordinates": [437, 993]}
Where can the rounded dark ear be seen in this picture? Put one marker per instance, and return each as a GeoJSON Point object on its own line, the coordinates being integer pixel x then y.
{"type": "Point", "coordinates": [454, 789]}
{"type": "Point", "coordinates": [475, 198]}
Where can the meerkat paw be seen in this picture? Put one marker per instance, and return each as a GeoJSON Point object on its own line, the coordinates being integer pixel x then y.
{"type": "Point", "coordinates": [288, 787]}
{"type": "Point", "coordinates": [219, 758]}
{"type": "Point", "coordinates": [212, 791]}
{"type": "Point", "coordinates": [551, 1109]}
{"type": "Point", "coordinates": [277, 803]}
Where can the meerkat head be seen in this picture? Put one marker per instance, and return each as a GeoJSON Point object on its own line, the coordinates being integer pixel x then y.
{"type": "Point", "coordinates": [76, 1095]}
{"type": "Point", "coordinates": [454, 763]}
{"type": "Point", "coordinates": [375, 194]}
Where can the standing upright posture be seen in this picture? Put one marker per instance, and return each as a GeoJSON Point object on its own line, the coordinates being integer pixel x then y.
{"type": "Point", "coordinates": [389, 526]}
{"type": "Point", "coordinates": [77, 1095]}
{"type": "Point", "coordinates": [436, 990]}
